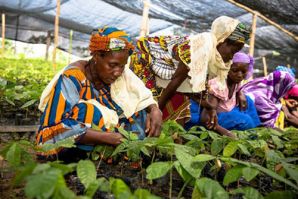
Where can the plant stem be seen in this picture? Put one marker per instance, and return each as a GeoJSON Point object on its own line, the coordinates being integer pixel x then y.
{"type": "Point", "coordinates": [171, 179]}
{"type": "Point", "coordinates": [153, 156]}
{"type": "Point", "coordinates": [182, 189]}
{"type": "Point", "coordinates": [103, 154]}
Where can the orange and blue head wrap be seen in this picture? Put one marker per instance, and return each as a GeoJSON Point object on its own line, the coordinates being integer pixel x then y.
{"type": "Point", "coordinates": [110, 39]}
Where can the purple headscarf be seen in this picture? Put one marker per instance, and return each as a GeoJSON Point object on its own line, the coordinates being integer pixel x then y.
{"type": "Point", "coordinates": [266, 93]}
{"type": "Point", "coordinates": [240, 57]}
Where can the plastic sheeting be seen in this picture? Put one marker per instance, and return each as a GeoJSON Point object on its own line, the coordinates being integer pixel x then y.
{"type": "Point", "coordinates": [31, 20]}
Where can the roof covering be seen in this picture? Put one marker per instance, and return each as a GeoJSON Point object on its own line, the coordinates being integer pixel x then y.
{"type": "Point", "coordinates": [30, 20]}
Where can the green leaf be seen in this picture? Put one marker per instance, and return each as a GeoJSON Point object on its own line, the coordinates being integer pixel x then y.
{"type": "Point", "coordinates": [277, 142]}
{"type": "Point", "coordinates": [23, 172]}
{"type": "Point", "coordinates": [158, 169]}
{"type": "Point", "coordinates": [29, 103]}
{"type": "Point", "coordinates": [64, 168]}
{"type": "Point", "coordinates": [249, 173]}
{"type": "Point", "coordinates": [128, 135]}
{"type": "Point", "coordinates": [86, 172]}
{"type": "Point", "coordinates": [291, 170]}
{"type": "Point", "coordinates": [119, 188]}
{"type": "Point", "coordinates": [196, 193]}
{"type": "Point", "coordinates": [233, 175]}
{"type": "Point", "coordinates": [92, 188]}
{"type": "Point", "coordinates": [217, 146]}
{"type": "Point", "coordinates": [211, 189]}
{"type": "Point", "coordinates": [280, 195]}
{"type": "Point", "coordinates": [9, 101]}
{"type": "Point", "coordinates": [120, 148]}
{"type": "Point", "coordinates": [262, 169]}
{"type": "Point", "coordinates": [104, 184]}
{"type": "Point", "coordinates": [194, 168]}
{"type": "Point", "coordinates": [249, 193]}
{"type": "Point", "coordinates": [66, 143]}
{"type": "Point", "coordinates": [204, 157]}
{"type": "Point", "coordinates": [13, 155]}
{"type": "Point", "coordinates": [244, 149]}
{"type": "Point", "coordinates": [230, 149]}
{"type": "Point", "coordinates": [64, 193]}
{"type": "Point", "coordinates": [144, 194]}
{"type": "Point", "coordinates": [41, 168]}
{"type": "Point", "coordinates": [182, 172]}
{"type": "Point", "coordinates": [42, 185]}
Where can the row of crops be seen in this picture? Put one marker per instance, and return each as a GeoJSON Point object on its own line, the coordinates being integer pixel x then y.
{"type": "Point", "coordinates": [261, 163]}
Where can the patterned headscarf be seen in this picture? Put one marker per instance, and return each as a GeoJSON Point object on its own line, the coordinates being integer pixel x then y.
{"type": "Point", "coordinates": [109, 39]}
{"type": "Point", "coordinates": [241, 33]}
{"type": "Point", "coordinates": [266, 92]}
{"type": "Point", "coordinates": [292, 71]}
{"type": "Point", "coordinates": [293, 92]}
{"type": "Point", "coordinates": [240, 57]}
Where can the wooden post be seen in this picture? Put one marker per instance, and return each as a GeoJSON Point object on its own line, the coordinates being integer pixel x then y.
{"type": "Point", "coordinates": [70, 46]}
{"type": "Point", "coordinates": [252, 34]}
{"type": "Point", "coordinates": [264, 66]}
{"type": "Point", "coordinates": [48, 43]}
{"type": "Point", "coordinates": [145, 20]}
{"type": "Point", "coordinates": [3, 32]}
{"type": "Point", "coordinates": [295, 37]}
{"type": "Point", "coordinates": [56, 34]}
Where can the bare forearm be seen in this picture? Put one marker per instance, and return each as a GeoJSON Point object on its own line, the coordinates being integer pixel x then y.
{"type": "Point", "coordinates": [179, 76]}
{"type": "Point", "coordinates": [94, 137]}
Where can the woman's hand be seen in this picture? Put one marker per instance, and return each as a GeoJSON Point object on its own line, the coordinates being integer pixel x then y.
{"type": "Point", "coordinates": [153, 121]}
{"type": "Point", "coordinates": [114, 138]}
{"type": "Point", "coordinates": [241, 101]}
{"type": "Point", "coordinates": [291, 103]}
{"type": "Point", "coordinates": [209, 118]}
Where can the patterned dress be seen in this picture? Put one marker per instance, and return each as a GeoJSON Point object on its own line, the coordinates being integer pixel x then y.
{"type": "Point", "coordinates": [68, 114]}
{"type": "Point", "coordinates": [158, 57]}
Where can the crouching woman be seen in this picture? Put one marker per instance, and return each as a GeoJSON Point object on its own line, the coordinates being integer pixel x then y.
{"type": "Point", "coordinates": [89, 100]}
{"type": "Point", "coordinates": [234, 110]}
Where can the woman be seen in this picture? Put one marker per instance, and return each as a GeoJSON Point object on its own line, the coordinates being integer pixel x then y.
{"type": "Point", "coordinates": [174, 67]}
{"type": "Point", "coordinates": [290, 108]}
{"type": "Point", "coordinates": [266, 93]}
{"type": "Point", "coordinates": [101, 94]}
{"type": "Point", "coordinates": [230, 116]}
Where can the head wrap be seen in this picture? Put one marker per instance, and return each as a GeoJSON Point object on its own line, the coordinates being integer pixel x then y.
{"type": "Point", "coordinates": [266, 92]}
{"type": "Point", "coordinates": [241, 33]}
{"type": "Point", "coordinates": [293, 92]}
{"type": "Point", "coordinates": [240, 57]}
{"type": "Point", "coordinates": [222, 27]}
{"type": "Point", "coordinates": [205, 59]}
{"type": "Point", "coordinates": [292, 71]}
{"type": "Point", "coordinates": [109, 39]}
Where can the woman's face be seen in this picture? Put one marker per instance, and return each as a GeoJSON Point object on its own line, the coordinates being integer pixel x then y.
{"type": "Point", "coordinates": [238, 72]}
{"type": "Point", "coordinates": [111, 65]}
{"type": "Point", "coordinates": [228, 49]}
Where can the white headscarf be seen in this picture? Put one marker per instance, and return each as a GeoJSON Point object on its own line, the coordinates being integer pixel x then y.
{"type": "Point", "coordinates": [204, 56]}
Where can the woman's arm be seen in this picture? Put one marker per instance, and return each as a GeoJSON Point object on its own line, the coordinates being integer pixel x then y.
{"type": "Point", "coordinates": [289, 116]}
{"type": "Point", "coordinates": [209, 117]}
{"type": "Point", "coordinates": [95, 137]}
{"type": "Point", "coordinates": [241, 101]}
{"type": "Point", "coordinates": [179, 76]}
{"type": "Point", "coordinates": [153, 121]}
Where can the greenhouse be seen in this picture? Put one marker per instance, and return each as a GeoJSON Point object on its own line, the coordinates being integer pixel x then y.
{"type": "Point", "coordinates": [149, 99]}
